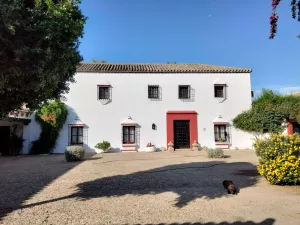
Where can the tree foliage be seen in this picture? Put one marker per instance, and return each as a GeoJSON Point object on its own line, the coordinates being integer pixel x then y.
{"type": "Point", "coordinates": [98, 61]}
{"type": "Point", "coordinates": [268, 113]}
{"type": "Point", "coordinates": [51, 116]}
{"type": "Point", "coordinates": [38, 50]}
{"type": "Point", "coordinates": [295, 8]}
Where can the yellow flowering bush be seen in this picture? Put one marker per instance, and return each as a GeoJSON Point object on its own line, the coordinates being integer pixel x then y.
{"type": "Point", "coordinates": [279, 158]}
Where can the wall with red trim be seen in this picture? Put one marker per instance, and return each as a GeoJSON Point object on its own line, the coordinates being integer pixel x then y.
{"type": "Point", "coordinates": [182, 115]}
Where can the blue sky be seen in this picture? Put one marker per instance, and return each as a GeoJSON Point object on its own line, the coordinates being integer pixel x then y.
{"type": "Point", "coordinates": [229, 33]}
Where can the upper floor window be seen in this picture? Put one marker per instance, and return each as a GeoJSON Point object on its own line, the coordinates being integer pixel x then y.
{"type": "Point", "coordinates": [76, 135]}
{"type": "Point", "coordinates": [103, 92]}
{"type": "Point", "coordinates": [221, 133]}
{"type": "Point", "coordinates": [128, 134]}
{"type": "Point", "coordinates": [184, 91]}
{"type": "Point", "coordinates": [153, 91]}
{"type": "Point", "coordinates": [220, 91]}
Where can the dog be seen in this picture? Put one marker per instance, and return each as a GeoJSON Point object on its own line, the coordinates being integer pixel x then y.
{"type": "Point", "coordinates": [230, 187]}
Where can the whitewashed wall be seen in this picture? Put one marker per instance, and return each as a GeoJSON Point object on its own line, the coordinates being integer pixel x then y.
{"type": "Point", "coordinates": [130, 98]}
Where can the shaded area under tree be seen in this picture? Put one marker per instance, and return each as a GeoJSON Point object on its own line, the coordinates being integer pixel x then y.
{"type": "Point", "coordinates": [189, 181]}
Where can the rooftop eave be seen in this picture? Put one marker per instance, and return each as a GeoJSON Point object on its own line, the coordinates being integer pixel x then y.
{"type": "Point", "coordinates": [157, 68]}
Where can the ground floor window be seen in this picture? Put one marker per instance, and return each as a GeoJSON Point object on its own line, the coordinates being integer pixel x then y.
{"type": "Point", "coordinates": [296, 128]}
{"type": "Point", "coordinates": [221, 133]}
{"type": "Point", "coordinates": [76, 135]}
{"type": "Point", "coordinates": [128, 134]}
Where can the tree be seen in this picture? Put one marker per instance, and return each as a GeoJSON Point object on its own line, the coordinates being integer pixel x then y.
{"type": "Point", "coordinates": [38, 50]}
{"type": "Point", "coordinates": [295, 7]}
{"type": "Point", "coordinates": [98, 61]}
{"type": "Point", "coordinates": [268, 113]}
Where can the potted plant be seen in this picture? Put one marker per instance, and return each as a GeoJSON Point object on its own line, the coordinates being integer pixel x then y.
{"type": "Point", "coordinates": [222, 140]}
{"type": "Point", "coordinates": [103, 146]}
{"type": "Point", "coordinates": [150, 147]}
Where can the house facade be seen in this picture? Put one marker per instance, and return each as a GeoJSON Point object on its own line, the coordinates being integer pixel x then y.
{"type": "Point", "coordinates": [11, 126]}
{"type": "Point", "coordinates": [130, 105]}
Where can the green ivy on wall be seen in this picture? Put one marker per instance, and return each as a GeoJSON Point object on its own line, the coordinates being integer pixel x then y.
{"type": "Point", "coordinates": [268, 113]}
{"type": "Point", "coordinates": [51, 117]}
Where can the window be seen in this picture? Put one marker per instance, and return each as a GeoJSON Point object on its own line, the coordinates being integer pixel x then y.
{"type": "Point", "coordinates": [103, 92]}
{"type": "Point", "coordinates": [252, 94]}
{"type": "Point", "coordinates": [296, 128]}
{"type": "Point", "coordinates": [129, 135]}
{"type": "Point", "coordinates": [219, 91]}
{"type": "Point", "coordinates": [76, 135]}
{"type": "Point", "coordinates": [153, 91]}
{"type": "Point", "coordinates": [221, 134]}
{"type": "Point", "coordinates": [184, 91]}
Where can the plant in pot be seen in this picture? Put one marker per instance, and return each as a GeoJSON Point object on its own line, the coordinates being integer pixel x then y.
{"type": "Point", "coordinates": [150, 147]}
{"type": "Point", "coordinates": [104, 146]}
{"type": "Point", "coordinates": [222, 140]}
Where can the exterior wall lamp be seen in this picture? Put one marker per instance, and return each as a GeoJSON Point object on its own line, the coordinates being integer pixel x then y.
{"type": "Point", "coordinates": [153, 126]}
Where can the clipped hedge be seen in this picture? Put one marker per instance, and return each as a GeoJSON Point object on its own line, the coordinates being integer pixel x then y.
{"type": "Point", "coordinates": [215, 153]}
{"type": "Point", "coordinates": [279, 158]}
{"type": "Point", "coordinates": [74, 153]}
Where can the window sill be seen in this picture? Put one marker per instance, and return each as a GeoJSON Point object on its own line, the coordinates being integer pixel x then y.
{"type": "Point", "coordinates": [221, 143]}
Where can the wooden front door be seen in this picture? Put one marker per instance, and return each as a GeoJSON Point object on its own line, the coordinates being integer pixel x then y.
{"type": "Point", "coordinates": [181, 134]}
{"type": "Point", "coordinates": [4, 139]}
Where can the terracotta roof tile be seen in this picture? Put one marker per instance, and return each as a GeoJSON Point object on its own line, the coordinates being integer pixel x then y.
{"type": "Point", "coordinates": [157, 68]}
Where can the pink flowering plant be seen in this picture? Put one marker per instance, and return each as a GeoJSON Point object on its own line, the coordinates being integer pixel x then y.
{"type": "Point", "coordinates": [295, 8]}
{"type": "Point", "coordinates": [150, 144]}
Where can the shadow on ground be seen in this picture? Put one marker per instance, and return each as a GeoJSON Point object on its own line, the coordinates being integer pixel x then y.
{"type": "Point", "coordinates": [189, 181]}
{"type": "Point", "coordinates": [268, 221]}
{"type": "Point", "coordinates": [22, 177]}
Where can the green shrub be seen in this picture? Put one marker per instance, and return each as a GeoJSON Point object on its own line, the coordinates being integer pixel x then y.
{"type": "Point", "coordinates": [205, 148]}
{"type": "Point", "coordinates": [268, 113]}
{"type": "Point", "coordinates": [279, 158]}
{"type": "Point", "coordinates": [215, 153]}
{"type": "Point", "coordinates": [74, 153]}
{"type": "Point", "coordinates": [51, 117]}
{"type": "Point", "coordinates": [104, 145]}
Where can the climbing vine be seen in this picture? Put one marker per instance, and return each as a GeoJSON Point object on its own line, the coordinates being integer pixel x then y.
{"type": "Point", "coordinates": [51, 117]}
{"type": "Point", "coordinates": [268, 113]}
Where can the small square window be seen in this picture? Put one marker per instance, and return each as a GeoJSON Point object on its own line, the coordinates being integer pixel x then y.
{"type": "Point", "coordinates": [184, 91]}
{"type": "Point", "coordinates": [76, 135]}
{"type": "Point", "coordinates": [153, 91]}
{"type": "Point", "coordinates": [103, 92]}
{"type": "Point", "coordinates": [221, 133]}
{"type": "Point", "coordinates": [128, 134]}
{"type": "Point", "coordinates": [219, 91]}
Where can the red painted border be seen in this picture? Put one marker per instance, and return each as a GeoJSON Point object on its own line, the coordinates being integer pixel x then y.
{"type": "Point", "coordinates": [221, 143]}
{"type": "Point", "coordinates": [129, 150]}
{"type": "Point", "coordinates": [128, 124]}
{"type": "Point", "coordinates": [181, 112]}
{"type": "Point", "coordinates": [290, 127]}
{"type": "Point", "coordinates": [182, 115]}
{"type": "Point", "coordinates": [225, 123]}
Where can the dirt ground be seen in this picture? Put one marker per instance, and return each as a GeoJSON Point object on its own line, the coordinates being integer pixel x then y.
{"type": "Point", "coordinates": [142, 188]}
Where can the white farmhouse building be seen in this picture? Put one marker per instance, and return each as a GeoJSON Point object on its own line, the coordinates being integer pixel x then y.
{"type": "Point", "coordinates": [130, 105]}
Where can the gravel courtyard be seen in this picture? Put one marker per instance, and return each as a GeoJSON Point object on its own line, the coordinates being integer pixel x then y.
{"type": "Point", "coordinates": [142, 188]}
